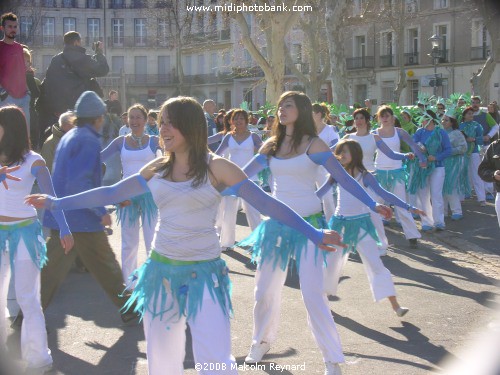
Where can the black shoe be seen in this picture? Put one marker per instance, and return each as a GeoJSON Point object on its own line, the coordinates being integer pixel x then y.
{"type": "Point", "coordinates": [413, 243]}
{"type": "Point", "coordinates": [18, 321]}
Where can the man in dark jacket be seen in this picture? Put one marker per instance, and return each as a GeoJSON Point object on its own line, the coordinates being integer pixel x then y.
{"type": "Point", "coordinates": [68, 76]}
{"type": "Point", "coordinates": [489, 171]}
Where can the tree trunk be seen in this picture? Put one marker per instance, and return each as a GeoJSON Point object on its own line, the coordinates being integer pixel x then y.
{"type": "Point", "coordinates": [335, 12]}
{"type": "Point", "coordinates": [399, 46]}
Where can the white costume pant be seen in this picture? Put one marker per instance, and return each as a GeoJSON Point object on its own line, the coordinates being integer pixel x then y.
{"type": "Point", "coordinates": [229, 210]}
{"type": "Point", "coordinates": [211, 334]}
{"type": "Point", "coordinates": [433, 192]}
{"type": "Point", "coordinates": [130, 243]}
{"type": "Point", "coordinates": [379, 277]}
{"type": "Point", "coordinates": [327, 201]}
{"type": "Point", "coordinates": [269, 284]}
{"type": "Point", "coordinates": [378, 222]}
{"type": "Point", "coordinates": [453, 201]}
{"type": "Point", "coordinates": [405, 218]}
{"type": "Point", "coordinates": [34, 348]}
{"type": "Point", "coordinates": [474, 178]}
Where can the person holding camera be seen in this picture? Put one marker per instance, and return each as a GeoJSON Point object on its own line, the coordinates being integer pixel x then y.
{"type": "Point", "coordinates": [70, 73]}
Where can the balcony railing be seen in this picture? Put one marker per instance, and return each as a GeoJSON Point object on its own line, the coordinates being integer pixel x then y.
{"type": "Point", "coordinates": [411, 58]}
{"type": "Point", "coordinates": [479, 53]}
{"type": "Point", "coordinates": [137, 41]}
{"type": "Point", "coordinates": [55, 41]}
{"type": "Point", "coordinates": [152, 80]}
{"type": "Point", "coordinates": [360, 62]}
{"type": "Point", "coordinates": [208, 37]}
{"type": "Point", "coordinates": [386, 61]}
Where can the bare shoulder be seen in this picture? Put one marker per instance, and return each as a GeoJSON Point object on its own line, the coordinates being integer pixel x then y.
{"type": "Point", "coordinates": [224, 171]}
{"type": "Point", "coordinates": [318, 145]}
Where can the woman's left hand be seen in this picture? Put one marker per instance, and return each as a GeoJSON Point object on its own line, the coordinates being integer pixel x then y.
{"type": "Point", "coordinates": [37, 200]}
{"type": "Point", "coordinates": [330, 240]}
{"type": "Point", "coordinates": [384, 210]}
{"type": "Point", "coordinates": [5, 175]}
{"type": "Point", "coordinates": [67, 243]}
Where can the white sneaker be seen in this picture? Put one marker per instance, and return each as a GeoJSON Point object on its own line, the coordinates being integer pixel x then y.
{"type": "Point", "coordinates": [257, 351]}
{"type": "Point", "coordinates": [332, 369]}
{"type": "Point", "coordinates": [382, 252]}
{"type": "Point", "coordinates": [401, 311]}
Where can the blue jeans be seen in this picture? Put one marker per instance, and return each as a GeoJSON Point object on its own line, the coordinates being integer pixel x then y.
{"type": "Point", "coordinates": [23, 103]}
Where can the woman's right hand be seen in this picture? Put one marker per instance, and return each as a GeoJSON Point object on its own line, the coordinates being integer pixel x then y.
{"type": "Point", "coordinates": [330, 240]}
{"type": "Point", "coordinates": [38, 200]}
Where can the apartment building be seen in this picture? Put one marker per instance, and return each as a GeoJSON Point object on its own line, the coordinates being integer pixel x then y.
{"type": "Point", "coordinates": [372, 58]}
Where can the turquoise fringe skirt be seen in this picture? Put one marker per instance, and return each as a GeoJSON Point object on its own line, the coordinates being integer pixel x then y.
{"type": "Point", "coordinates": [349, 228]}
{"type": "Point", "coordinates": [30, 231]}
{"type": "Point", "coordinates": [142, 206]}
{"type": "Point", "coordinates": [275, 242]}
{"type": "Point", "coordinates": [388, 178]}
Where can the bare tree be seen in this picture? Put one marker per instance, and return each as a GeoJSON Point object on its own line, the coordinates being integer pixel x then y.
{"type": "Point", "coordinates": [490, 12]}
{"type": "Point", "coordinates": [314, 28]}
{"type": "Point", "coordinates": [275, 26]}
{"type": "Point", "coordinates": [336, 12]}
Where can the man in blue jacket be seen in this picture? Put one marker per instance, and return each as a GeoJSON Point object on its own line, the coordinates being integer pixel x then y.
{"type": "Point", "coordinates": [77, 167]}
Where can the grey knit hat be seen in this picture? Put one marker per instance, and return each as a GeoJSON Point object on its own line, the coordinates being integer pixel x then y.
{"type": "Point", "coordinates": [89, 105]}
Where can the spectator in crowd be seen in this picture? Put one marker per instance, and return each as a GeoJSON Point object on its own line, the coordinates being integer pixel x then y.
{"type": "Point", "coordinates": [113, 104]}
{"type": "Point", "coordinates": [489, 171]}
{"type": "Point", "coordinates": [70, 73]}
{"type": "Point", "coordinates": [13, 86]}
{"type": "Point", "coordinates": [33, 84]}
{"type": "Point", "coordinates": [66, 123]}
{"type": "Point", "coordinates": [209, 108]}
{"type": "Point", "coordinates": [125, 129]}
{"type": "Point", "coordinates": [152, 125]}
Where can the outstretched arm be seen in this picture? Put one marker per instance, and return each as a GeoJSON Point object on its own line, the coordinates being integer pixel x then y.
{"type": "Point", "coordinates": [42, 174]}
{"type": "Point", "coordinates": [5, 175]}
{"type": "Point", "coordinates": [223, 145]}
{"type": "Point", "coordinates": [215, 138]}
{"type": "Point", "coordinates": [254, 166]}
{"type": "Point", "coordinates": [410, 142]}
{"type": "Point", "coordinates": [119, 192]}
{"type": "Point", "coordinates": [111, 149]}
{"type": "Point", "coordinates": [391, 154]}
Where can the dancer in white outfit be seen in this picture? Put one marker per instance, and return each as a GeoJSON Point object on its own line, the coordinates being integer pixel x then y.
{"type": "Point", "coordinates": [185, 281]}
{"type": "Point", "coordinates": [352, 219]}
{"type": "Point", "coordinates": [136, 150]}
{"type": "Point", "coordinates": [295, 154]}
{"type": "Point", "coordinates": [22, 247]}
{"type": "Point", "coordinates": [390, 173]}
{"type": "Point", "coordinates": [239, 146]}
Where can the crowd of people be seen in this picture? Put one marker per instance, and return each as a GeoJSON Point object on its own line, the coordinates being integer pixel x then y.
{"type": "Point", "coordinates": [316, 182]}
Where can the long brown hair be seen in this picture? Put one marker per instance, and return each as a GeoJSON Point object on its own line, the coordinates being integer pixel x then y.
{"type": "Point", "coordinates": [304, 125]}
{"type": "Point", "coordinates": [187, 115]}
{"type": "Point", "coordinates": [356, 155]}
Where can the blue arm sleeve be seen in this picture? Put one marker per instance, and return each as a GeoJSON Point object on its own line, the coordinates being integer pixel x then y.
{"type": "Point", "coordinates": [215, 138]}
{"type": "Point", "coordinates": [254, 166]}
{"type": "Point", "coordinates": [382, 146]}
{"type": "Point", "coordinates": [114, 147]}
{"type": "Point", "coordinates": [325, 188]}
{"type": "Point", "coordinates": [332, 165]}
{"type": "Point", "coordinates": [223, 145]}
{"type": "Point", "coordinates": [333, 144]}
{"type": "Point", "coordinates": [410, 142]}
{"type": "Point", "coordinates": [257, 141]}
{"type": "Point", "coordinates": [271, 207]}
{"type": "Point", "coordinates": [123, 190]}
{"type": "Point", "coordinates": [154, 144]}
{"type": "Point", "coordinates": [370, 181]}
{"type": "Point", "coordinates": [45, 183]}
{"type": "Point", "coordinates": [445, 147]}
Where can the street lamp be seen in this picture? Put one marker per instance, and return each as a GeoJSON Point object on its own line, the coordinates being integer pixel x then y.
{"type": "Point", "coordinates": [436, 55]}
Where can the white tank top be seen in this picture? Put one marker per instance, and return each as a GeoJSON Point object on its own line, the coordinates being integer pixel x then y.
{"type": "Point", "coordinates": [134, 160]}
{"type": "Point", "coordinates": [294, 183]}
{"type": "Point", "coordinates": [369, 147]}
{"type": "Point", "coordinates": [382, 161]}
{"type": "Point", "coordinates": [186, 226]}
{"type": "Point", "coordinates": [347, 204]}
{"type": "Point", "coordinates": [241, 153]}
{"type": "Point", "coordinates": [328, 134]}
{"type": "Point", "coordinates": [12, 200]}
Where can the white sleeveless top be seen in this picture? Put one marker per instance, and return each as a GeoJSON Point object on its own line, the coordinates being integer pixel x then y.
{"type": "Point", "coordinates": [134, 160]}
{"type": "Point", "coordinates": [328, 134]}
{"type": "Point", "coordinates": [294, 183]}
{"type": "Point", "coordinates": [186, 226]}
{"type": "Point", "coordinates": [241, 153]}
{"type": "Point", "coordinates": [347, 204]}
{"type": "Point", "coordinates": [12, 200]}
{"type": "Point", "coordinates": [369, 147]}
{"type": "Point", "coordinates": [382, 161]}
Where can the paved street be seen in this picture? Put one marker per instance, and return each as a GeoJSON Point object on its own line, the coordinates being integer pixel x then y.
{"type": "Point", "coordinates": [448, 284]}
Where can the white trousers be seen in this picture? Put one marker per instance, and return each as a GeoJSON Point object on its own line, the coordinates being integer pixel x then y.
{"type": "Point", "coordinates": [405, 218]}
{"type": "Point", "coordinates": [227, 220]}
{"type": "Point", "coordinates": [378, 222]}
{"type": "Point", "coordinates": [34, 347]}
{"type": "Point", "coordinates": [268, 288]}
{"type": "Point", "coordinates": [453, 201]}
{"type": "Point", "coordinates": [130, 243]}
{"type": "Point", "coordinates": [431, 198]}
{"type": "Point", "coordinates": [327, 200]}
{"type": "Point", "coordinates": [497, 207]}
{"type": "Point", "coordinates": [474, 178]}
{"type": "Point", "coordinates": [211, 334]}
{"type": "Point", "coordinates": [379, 277]}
